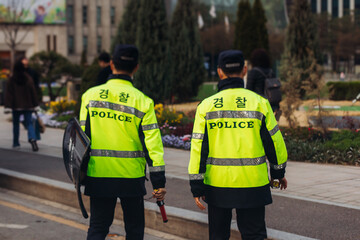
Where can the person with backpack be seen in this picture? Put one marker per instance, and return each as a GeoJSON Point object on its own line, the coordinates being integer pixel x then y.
{"type": "Point", "coordinates": [262, 80]}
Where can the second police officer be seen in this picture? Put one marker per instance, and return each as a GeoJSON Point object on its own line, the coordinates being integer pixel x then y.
{"type": "Point", "coordinates": [234, 131]}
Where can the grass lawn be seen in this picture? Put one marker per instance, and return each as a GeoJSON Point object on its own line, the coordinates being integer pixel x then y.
{"type": "Point", "coordinates": [45, 91]}
{"type": "Point", "coordinates": [206, 90]}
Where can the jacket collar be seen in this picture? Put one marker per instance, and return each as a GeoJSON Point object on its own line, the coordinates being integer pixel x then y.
{"type": "Point", "coordinates": [230, 83]}
{"type": "Point", "coordinates": [120, 76]}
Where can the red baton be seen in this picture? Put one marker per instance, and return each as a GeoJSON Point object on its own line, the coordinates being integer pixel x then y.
{"type": "Point", "coordinates": [161, 205]}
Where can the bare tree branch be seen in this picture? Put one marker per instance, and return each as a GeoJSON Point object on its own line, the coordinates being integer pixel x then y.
{"type": "Point", "coordinates": [27, 30]}
{"type": "Point", "coordinates": [13, 25]}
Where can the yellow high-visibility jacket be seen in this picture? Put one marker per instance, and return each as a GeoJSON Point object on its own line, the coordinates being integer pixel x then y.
{"type": "Point", "coordinates": [234, 131]}
{"type": "Point", "coordinates": [124, 135]}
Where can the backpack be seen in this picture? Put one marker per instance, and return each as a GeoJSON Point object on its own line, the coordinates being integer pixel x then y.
{"type": "Point", "coordinates": [272, 87]}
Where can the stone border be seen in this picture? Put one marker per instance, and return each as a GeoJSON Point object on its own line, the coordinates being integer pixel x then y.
{"type": "Point", "coordinates": [183, 223]}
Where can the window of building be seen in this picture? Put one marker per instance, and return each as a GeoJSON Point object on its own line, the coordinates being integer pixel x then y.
{"type": "Point", "coordinates": [335, 8]}
{"type": "Point", "coordinates": [48, 42]}
{"type": "Point", "coordinates": [55, 43]}
{"type": "Point", "coordinates": [70, 14]}
{"type": "Point", "coordinates": [70, 44]}
{"type": "Point", "coordinates": [85, 43]}
{"type": "Point", "coordinates": [112, 15]}
{"type": "Point", "coordinates": [357, 59]}
{"type": "Point", "coordinates": [324, 6]}
{"type": "Point", "coordinates": [85, 15]}
{"type": "Point", "coordinates": [346, 7]}
{"type": "Point", "coordinates": [98, 44]}
{"type": "Point", "coordinates": [313, 6]}
{"type": "Point", "coordinates": [98, 16]}
{"type": "Point", "coordinates": [357, 12]}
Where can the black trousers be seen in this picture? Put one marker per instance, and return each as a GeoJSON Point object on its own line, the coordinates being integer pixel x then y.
{"type": "Point", "coordinates": [102, 215]}
{"type": "Point", "coordinates": [250, 222]}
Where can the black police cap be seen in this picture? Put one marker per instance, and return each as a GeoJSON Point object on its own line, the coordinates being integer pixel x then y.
{"type": "Point", "coordinates": [231, 60]}
{"type": "Point", "coordinates": [127, 54]}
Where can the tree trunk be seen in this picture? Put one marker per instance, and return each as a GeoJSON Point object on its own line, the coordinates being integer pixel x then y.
{"type": "Point", "coordinates": [12, 57]}
{"type": "Point", "coordinates": [50, 92]}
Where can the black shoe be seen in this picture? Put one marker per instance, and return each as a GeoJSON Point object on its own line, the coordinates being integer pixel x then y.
{"type": "Point", "coordinates": [34, 145]}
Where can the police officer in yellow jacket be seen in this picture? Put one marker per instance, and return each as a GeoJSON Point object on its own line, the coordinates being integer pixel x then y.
{"type": "Point", "coordinates": [121, 123]}
{"type": "Point", "coordinates": [234, 131]}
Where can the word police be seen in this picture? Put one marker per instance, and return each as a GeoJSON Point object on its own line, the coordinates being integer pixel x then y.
{"type": "Point", "coordinates": [111, 116]}
{"type": "Point", "coordinates": [249, 124]}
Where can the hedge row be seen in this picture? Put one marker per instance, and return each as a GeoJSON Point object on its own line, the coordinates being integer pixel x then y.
{"type": "Point", "coordinates": [343, 90]}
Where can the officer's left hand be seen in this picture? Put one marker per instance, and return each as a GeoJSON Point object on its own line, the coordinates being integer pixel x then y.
{"type": "Point", "coordinates": [159, 194]}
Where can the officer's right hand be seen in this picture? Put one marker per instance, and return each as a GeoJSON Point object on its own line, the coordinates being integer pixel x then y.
{"type": "Point", "coordinates": [283, 183]}
{"type": "Point", "coordinates": [159, 194]}
{"type": "Point", "coordinates": [198, 203]}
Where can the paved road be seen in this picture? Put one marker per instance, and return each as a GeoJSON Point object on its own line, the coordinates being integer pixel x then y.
{"type": "Point", "coordinates": [25, 217]}
{"type": "Point", "coordinates": [305, 218]}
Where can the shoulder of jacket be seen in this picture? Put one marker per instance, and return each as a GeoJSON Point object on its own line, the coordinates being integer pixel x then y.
{"type": "Point", "coordinates": [91, 90]}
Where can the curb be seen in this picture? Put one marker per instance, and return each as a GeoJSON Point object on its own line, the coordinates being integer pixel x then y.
{"type": "Point", "coordinates": [183, 223]}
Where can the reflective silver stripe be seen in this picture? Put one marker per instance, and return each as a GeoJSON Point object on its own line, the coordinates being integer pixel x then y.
{"type": "Point", "coordinates": [278, 167]}
{"type": "Point", "coordinates": [157, 169]}
{"type": "Point", "coordinates": [199, 176]}
{"type": "Point", "coordinates": [119, 154]}
{"type": "Point", "coordinates": [275, 130]}
{"type": "Point", "coordinates": [116, 107]}
{"type": "Point", "coordinates": [82, 123]}
{"type": "Point", "coordinates": [236, 161]}
{"type": "Point", "coordinates": [234, 114]}
{"type": "Point", "coordinates": [197, 136]}
{"type": "Point", "coordinates": [150, 127]}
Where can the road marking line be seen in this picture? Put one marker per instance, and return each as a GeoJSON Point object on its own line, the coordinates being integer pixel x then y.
{"type": "Point", "coordinates": [45, 215]}
{"type": "Point", "coordinates": [13, 226]}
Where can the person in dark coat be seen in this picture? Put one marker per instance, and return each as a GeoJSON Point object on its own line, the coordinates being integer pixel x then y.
{"type": "Point", "coordinates": [35, 77]}
{"type": "Point", "coordinates": [21, 99]}
{"type": "Point", "coordinates": [104, 63]}
{"type": "Point", "coordinates": [261, 66]}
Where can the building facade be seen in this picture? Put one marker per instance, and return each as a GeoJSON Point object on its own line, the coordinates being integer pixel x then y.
{"type": "Point", "coordinates": [37, 38]}
{"type": "Point", "coordinates": [91, 26]}
{"type": "Point", "coordinates": [337, 8]}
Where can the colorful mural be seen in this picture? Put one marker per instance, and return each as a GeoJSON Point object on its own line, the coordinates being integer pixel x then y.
{"type": "Point", "coordinates": [33, 11]}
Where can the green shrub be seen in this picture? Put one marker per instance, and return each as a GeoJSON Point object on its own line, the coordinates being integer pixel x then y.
{"type": "Point", "coordinates": [344, 140]}
{"type": "Point", "coordinates": [338, 147]}
{"type": "Point", "coordinates": [343, 90]}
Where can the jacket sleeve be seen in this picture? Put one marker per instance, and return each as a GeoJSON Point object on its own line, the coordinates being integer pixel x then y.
{"type": "Point", "coordinates": [154, 152]}
{"type": "Point", "coordinates": [9, 95]}
{"type": "Point", "coordinates": [274, 143]}
{"type": "Point", "coordinates": [33, 92]}
{"type": "Point", "coordinates": [83, 112]}
{"type": "Point", "coordinates": [198, 154]}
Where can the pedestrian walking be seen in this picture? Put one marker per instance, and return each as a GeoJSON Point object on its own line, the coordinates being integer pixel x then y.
{"type": "Point", "coordinates": [21, 99]}
{"type": "Point", "coordinates": [35, 77]}
{"type": "Point", "coordinates": [105, 72]}
{"type": "Point", "coordinates": [256, 77]}
{"type": "Point", "coordinates": [121, 123]}
{"type": "Point", "coordinates": [234, 131]}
